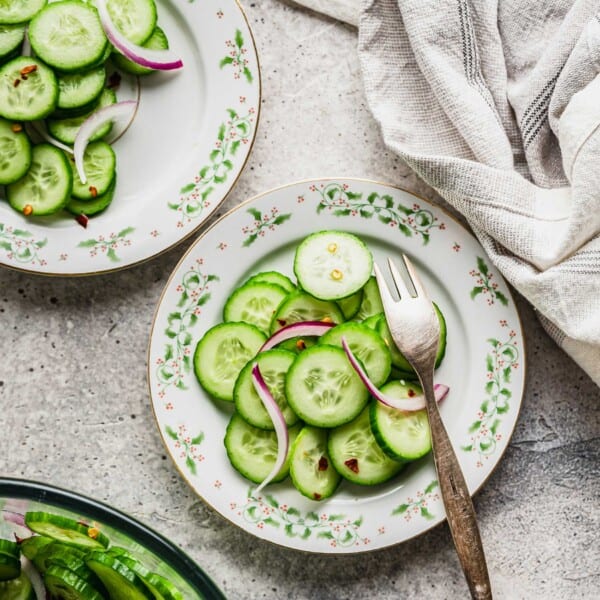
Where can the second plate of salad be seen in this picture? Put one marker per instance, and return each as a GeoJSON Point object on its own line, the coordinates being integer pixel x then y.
{"type": "Point", "coordinates": [266, 296]}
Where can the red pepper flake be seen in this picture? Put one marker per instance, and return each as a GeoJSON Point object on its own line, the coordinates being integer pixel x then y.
{"type": "Point", "coordinates": [93, 191]}
{"type": "Point", "coordinates": [114, 80]}
{"type": "Point", "coordinates": [27, 210]}
{"type": "Point", "coordinates": [24, 77]}
{"type": "Point", "coordinates": [352, 464]}
{"type": "Point", "coordinates": [93, 532]}
{"type": "Point", "coordinates": [326, 320]}
{"type": "Point", "coordinates": [323, 464]}
{"type": "Point", "coordinates": [317, 496]}
{"type": "Point", "coordinates": [82, 220]}
{"type": "Point", "coordinates": [301, 345]}
{"type": "Point", "coordinates": [411, 393]}
{"type": "Point", "coordinates": [16, 82]}
{"type": "Point", "coordinates": [282, 322]}
{"type": "Point", "coordinates": [28, 69]}
{"type": "Point", "coordinates": [16, 127]}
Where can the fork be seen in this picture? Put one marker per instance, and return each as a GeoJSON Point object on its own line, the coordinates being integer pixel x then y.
{"type": "Point", "coordinates": [415, 330]}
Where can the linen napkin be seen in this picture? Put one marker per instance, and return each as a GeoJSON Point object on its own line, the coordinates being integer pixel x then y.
{"type": "Point", "coordinates": [496, 105]}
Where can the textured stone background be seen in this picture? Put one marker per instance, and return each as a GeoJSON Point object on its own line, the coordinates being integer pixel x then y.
{"type": "Point", "coordinates": [75, 412]}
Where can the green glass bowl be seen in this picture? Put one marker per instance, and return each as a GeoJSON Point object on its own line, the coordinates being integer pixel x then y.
{"type": "Point", "coordinates": [18, 496]}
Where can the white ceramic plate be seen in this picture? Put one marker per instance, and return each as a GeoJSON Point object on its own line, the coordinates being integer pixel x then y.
{"type": "Point", "coordinates": [484, 362]}
{"type": "Point", "coordinates": [177, 162]}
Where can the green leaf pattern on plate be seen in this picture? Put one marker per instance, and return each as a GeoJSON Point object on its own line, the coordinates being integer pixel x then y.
{"type": "Point", "coordinates": [186, 446]}
{"type": "Point", "coordinates": [409, 220]}
{"type": "Point", "coordinates": [262, 224]}
{"type": "Point", "coordinates": [485, 285]}
{"type": "Point", "coordinates": [108, 245]}
{"type": "Point", "coordinates": [500, 363]}
{"type": "Point", "coordinates": [236, 57]}
{"type": "Point", "coordinates": [419, 505]}
{"type": "Point", "coordinates": [20, 245]}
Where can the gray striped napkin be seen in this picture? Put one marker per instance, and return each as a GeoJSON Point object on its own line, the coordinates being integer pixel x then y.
{"type": "Point", "coordinates": [496, 105]}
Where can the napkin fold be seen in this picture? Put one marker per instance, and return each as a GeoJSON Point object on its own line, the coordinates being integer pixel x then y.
{"type": "Point", "coordinates": [496, 105]}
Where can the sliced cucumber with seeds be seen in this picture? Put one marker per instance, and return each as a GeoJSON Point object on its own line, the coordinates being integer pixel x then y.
{"type": "Point", "coordinates": [402, 435]}
{"type": "Point", "coordinates": [367, 345]}
{"type": "Point", "coordinates": [31, 546]}
{"type": "Point", "coordinates": [93, 206]}
{"type": "Point", "coordinates": [273, 277]}
{"type": "Point", "coordinates": [77, 90]}
{"type": "Point", "coordinates": [28, 89]}
{"type": "Point", "coordinates": [161, 587]}
{"type": "Point", "coordinates": [99, 165]}
{"type": "Point", "coordinates": [66, 585]}
{"type": "Point", "coordinates": [157, 41]}
{"type": "Point", "coordinates": [331, 265]}
{"type": "Point", "coordinates": [222, 353]}
{"type": "Point", "coordinates": [65, 530]}
{"type": "Point", "coordinates": [356, 455]}
{"type": "Point", "coordinates": [300, 306]}
{"type": "Point", "coordinates": [135, 19]}
{"type": "Point", "coordinates": [371, 322]}
{"type": "Point", "coordinates": [253, 451]}
{"type": "Point", "coordinates": [15, 152]}
{"type": "Point", "coordinates": [19, 588]}
{"type": "Point", "coordinates": [310, 466]}
{"type": "Point", "coordinates": [20, 11]}
{"type": "Point", "coordinates": [9, 548]}
{"type": "Point", "coordinates": [371, 301]}
{"type": "Point", "coordinates": [11, 38]}
{"type": "Point", "coordinates": [68, 35]}
{"type": "Point", "coordinates": [10, 567]}
{"type": "Point", "coordinates": [65, 130]}
{"type": "Point", "coordinates": [323, 389]}
{"type": "Point", "coordinates": [351, 305]}
{"type": "Point", "coordinates": [46, 187]}
{"type": "Point", "coordinates": [274, 365]}
{"type": "Point", "coordinates": [121, 582]}
{"type": "Point", "coordinates": [254, 303]}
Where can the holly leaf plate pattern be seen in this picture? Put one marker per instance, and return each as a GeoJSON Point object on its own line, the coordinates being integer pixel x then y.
{"type": "Point", "coordinates": [195, 131]}
{"type": "Point", "coordinates": [483, 365]}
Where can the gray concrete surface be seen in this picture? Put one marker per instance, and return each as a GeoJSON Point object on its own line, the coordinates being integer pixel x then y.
{"type": "Point", "coordinates": [75, 412]}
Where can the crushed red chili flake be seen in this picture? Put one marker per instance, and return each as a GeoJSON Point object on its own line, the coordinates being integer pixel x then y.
{"type": "Point", "coordinates": [28, 69]}
{"type": "Point", "coordinates": [282, 322]}
{"type": "Point", "coordinates": [24, 77]}
{"type": "Point", "coordinates": [82, 220]}
{"type": "Point", "coordinates": [411, 393]}
{"type": "Point", "coordinates": [16, 82]}
{"type": "Point", "coordinates": [27, 210]}
{"type": "Point", "coordinates": [16, 127]}
{"type": "Point", "coordinates": [93, 532]}
{"type": "Point", "coordinates": [326, 320]}
{"type": "Point", "coordinates": [93, 191]}
{"type": "Point", "coordinates": [114, 80]}
{"type": "Point", "coordinates": [323, 464]}
{"type": "Point", "coordinates": [301, 345]}
{"type": "Point", "coordinates": [317, 496]}
{"type": "Point", "coordinates": [352, 464]}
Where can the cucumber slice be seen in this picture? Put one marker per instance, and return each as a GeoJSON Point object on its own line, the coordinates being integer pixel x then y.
{"type": "Point", "coordinates": [19, 11]}
{"type": "Point", "coordinates": [65, 130]}
{"type": "Point", "coordinates": [31, 546]}
{"type": "Point", "coordinates": [371, 302]}
{"type": "Point", "coordinates": [9, 548]}
{"type": "Point", "coordinates": [95, 206]}
{"type": "Point", "coordinates": [46, 187]}
{"type": "Point", "coordinates": [222, 353]}
{"type": "Point", "coordinates": [252, 451]}
{"type": "Point", "coordinates": [63, 529]}
{"type": "Point", "coordinates": [66, 585]}
{"type": "Point", "coordinates": [371, 322]}
{"type": "Point", "coordinates": [10, 567]}
{"type": "Point", "coordinates": [157, 41]}
{"type": "Point", "coordinates": [11, 38]}
{"type": "Point", "coordinates": [356, 456]}
{"type": "Point", "coordinates": [76, 90]}
{"type": "Point", "coordinates": [254, 303]}
{"type": "Point", "coordinates": [68, 35]}
{"type": "Point", "coordinates": [300, 306]}
{"type": "Point", "coordinates": [274, 365]}
{"type": "Point", "coordinates": [19, 588]}
{"type": "Point", "coordinates": [62, 552]}
{"type": "Point", "coordinates": [310, 466]}
{"type": "Point", "coordinates": [367, 345]}
{"type": "Point", "coordinates": [15, 152]}
{"type": "Point", "coordinates": [28, 89]}
{"type": "Point", "coordinates": [323, 389]}
{"type": "Point", "coordinates": [273, 277]}
{"type": "Point", "coordinates": [99, 164]}
{"type": "Point", "coordinates": [398, 359]}
{"type": "Point", "coordinates": [120, 581]}
{"type": "Point", "coordinates": [332, 265]}
{"type": "Point", "coordinates": [135, 19]}
{"type": "Point", "coordinates": [351, 305]}
{"type": "Point", "coordinates": [402, 435]}
{"type": "Point", "coordinates": [161, 587]}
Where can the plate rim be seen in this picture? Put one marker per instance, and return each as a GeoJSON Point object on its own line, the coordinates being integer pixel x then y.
{"type": "Point", "coordinates": [115, 269]}
{"type": "Point", "coordinates": [317, 180]}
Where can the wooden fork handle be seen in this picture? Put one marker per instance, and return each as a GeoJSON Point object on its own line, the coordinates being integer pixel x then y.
{"type": "Point", "coordinates": [458, 504]}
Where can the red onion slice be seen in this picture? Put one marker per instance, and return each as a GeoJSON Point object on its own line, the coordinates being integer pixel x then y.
{"type": "Point", "coordinates": [161, 60]}
{"type": "Point", "coordinates": [40, 129]}
{"type": "Point", "coordinates": [14, 518]}
{"type": "Point", "coordinates": [404, 404]}
{"type": "Point", "coordinates": [120, 110]}
{"type": "Point", "coordinates": [279, 423]}
{"type": "Point", "coordinates": [34, 577]}
{"type": "Point", "coordinates": [300, 329]}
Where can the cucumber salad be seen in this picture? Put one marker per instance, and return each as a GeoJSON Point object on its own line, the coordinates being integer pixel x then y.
{"type": "Point", "coordinates": [72, 560]}
{"type": "Point", "coordinates": [60, 66]}
{"type": "Point", "coordinates": [319, 390]}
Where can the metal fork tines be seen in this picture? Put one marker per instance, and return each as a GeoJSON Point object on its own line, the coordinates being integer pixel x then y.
{"type": "Point", "coordinates": [415, 329]}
